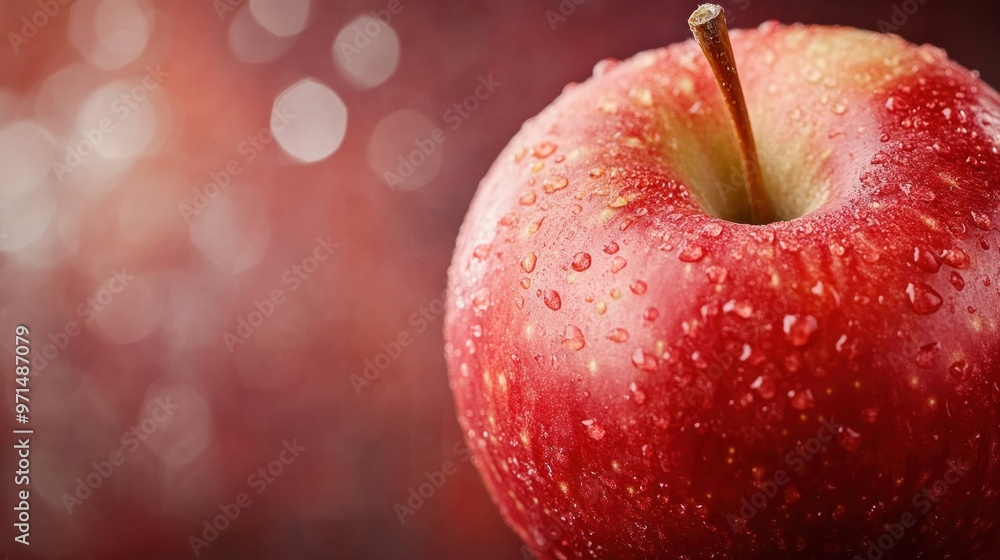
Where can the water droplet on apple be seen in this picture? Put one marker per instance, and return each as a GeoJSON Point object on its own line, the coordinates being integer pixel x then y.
{"type": "Point", "coordinates": [925, 260]}
{"type": "Point", "coordinates": [581, 262]}
{"type": "Point", "coordinates": [481, 300]}
{"type": "Point", "coordinates": [959, 369]}
{"type": "Point", "coordinates": [552, 299]}
{"type": "Point", "coordinates": [638, 396]}
{"type": "Point", "coordinates": [617, 264]}
{"type": "Point", "coordinates": [528, 262]}
{"type": "Point", "coordinates": [927, 354]}
{"type": "Point", "coordinates": [555, 183]}
{"type": "Point", "coordinates": [651, 314]}
{"type": "Point", "coordinates": [618, 335]}
{"type": "Point", "coordinates": [957, 281]}
{"type": "Point", "coordinates": [611, 248]}
{"type": "Point", "coordinates": [644, 360]}
{"type": "Point", "coordinates": [983, 221]}
{"type": "Point", "coordinates": [638, 287]}
{"type": "Point", "coordinates": [880, 158]}
{"type": "Point", "coordinates": [764, 386]}
{"type": "Point", "coordinates": [742, 308]}
{"type": "Point", "coordinates": [798, 330]}
{"type": "Point", "coordinates": [717, 274]}
{"type": "Point", "coordinates": [526, 199]}
{"type": "Point", "coordinates": [956, 258]}
{"type": "Point", "coordinates": [573, 338]}
{"type": "Point", "coordinates": [604, 66]}
{"type": "Point", "coordinates": [801, 400]}
{"type": "Point", "coordinates": [713, 229]}
{"type": "Point", "coordinates": [923, 298]}
{"type": "Point", "coordinates": [691, 253]}
{"type": "Point", "coordinates": [839, 109]}
{"type": "Point", "coordinates": [594, 430]}
{"type": "Point", "coordinates": [544, 149]}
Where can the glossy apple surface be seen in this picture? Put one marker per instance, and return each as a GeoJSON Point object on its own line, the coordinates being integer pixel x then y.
{"type": "Point", "coordinates": [642, 375]}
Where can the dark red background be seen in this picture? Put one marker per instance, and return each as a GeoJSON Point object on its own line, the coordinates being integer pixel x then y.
{"type": "Point", "coordinates": [364, 452]}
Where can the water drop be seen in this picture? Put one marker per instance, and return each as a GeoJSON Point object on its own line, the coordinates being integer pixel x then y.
{"type": "Point", "coordinates": [959, 369]}
{"type": "Point", "coordinates": [555, 183]}
{"type": "Point", "coordinates": [573, 338]}
{"type": "Point", "coordinates": [611, 248]}
{"type": "Point", "coordinates": [923, 298]}
{"type": "Point", "coordinates": [717, 274]}
{"type": "Point", "coordinates": [552, 299]}
{"type": "Point", "coordinates": [691, 253]}
{"type": "Point", "coordinates": [481, 252]}
{"type": "Point", "coordinates": [604, 66]}
{"type": "Point", "coordinates": [595, 431]}
{"type": "Point", "coordinates": [644, 360]}
{"type": "Point", "coordinates": [638, 287]}
{"type": "Point", "coordinates": [956, 258]}
{"type": "Point", "coordinates": [925, 260]}
{"type": "Point", "coordinates": [983, 221]}
{"type": "Point", "coordinates": [764, 386]}
{"type": "Point", "coordinates": [581, 262]}
{"type": "Point", "coordinates": [544, 149]}
{"type": "Point", "coordinates": [526, 199]}
{"type": "Point", "coordinates": [798, 330]}
{"type": "Point", "coordinates": [481, 300]}
{"type": "Point", "coordinates": [712, 230]}
{"type": "Point", "coordinates": [618, 335]}
{"type": "Point", "coordinates": [617, 264]}
{"type": "Point", "coordinates": [528, 262]}
{"type": "Point", "coordinates": [638, 396]}
{"type": "Point", "coordinates": [957, 281]}
{"type": "Point", "coordinates": [927, 354]}
{"type": "Point", "coordinates": [742, 308]}
{"type": "Point", "coordinates": [651, 314]}
{"type": "Point", "coordinates": [801, 400]}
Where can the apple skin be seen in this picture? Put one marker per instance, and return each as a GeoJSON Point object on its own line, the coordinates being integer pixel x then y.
{"type": "Point", "coordinates": [628, 403]}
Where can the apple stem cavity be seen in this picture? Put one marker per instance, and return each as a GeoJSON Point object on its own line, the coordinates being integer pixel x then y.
{"type": "Point", "coordinates": [708, 23]}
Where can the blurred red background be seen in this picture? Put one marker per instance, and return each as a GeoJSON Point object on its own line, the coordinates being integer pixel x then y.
{"type": "Point", "coordinates": [227, 269]}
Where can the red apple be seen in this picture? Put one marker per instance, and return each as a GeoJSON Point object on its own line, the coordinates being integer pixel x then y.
{"type": "Point", "coordinates": [640, 373]}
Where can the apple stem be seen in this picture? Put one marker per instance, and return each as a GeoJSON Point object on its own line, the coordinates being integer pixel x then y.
{"type": "Point", "coordinates": [708, 23]}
